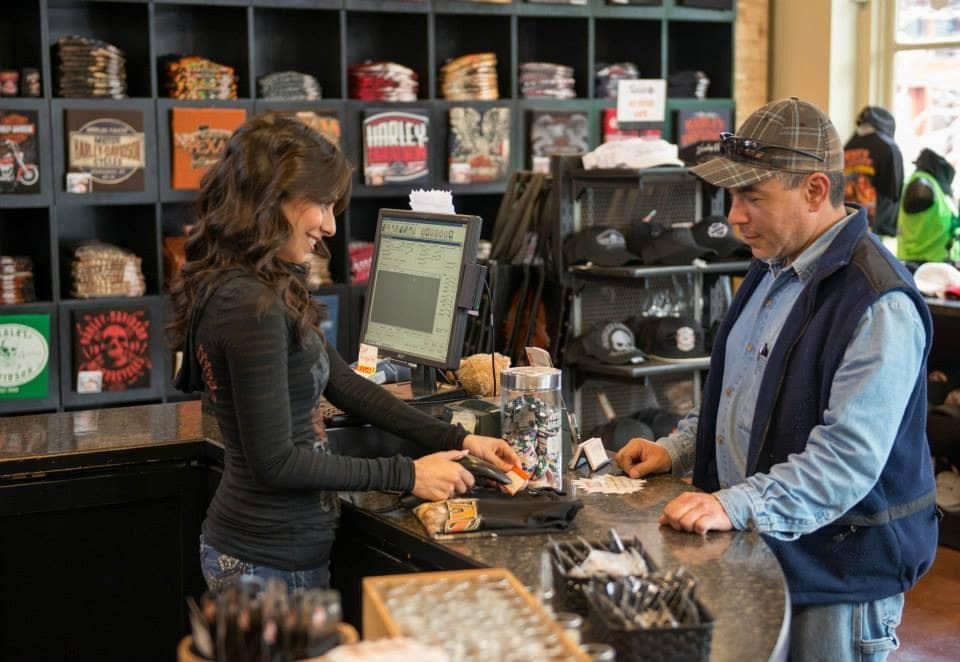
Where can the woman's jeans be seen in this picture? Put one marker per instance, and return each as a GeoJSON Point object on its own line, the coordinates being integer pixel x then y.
{"type": "Point", "coordinates": [846, 632]}
{"type": "Point", "coordinates": [221, 570]}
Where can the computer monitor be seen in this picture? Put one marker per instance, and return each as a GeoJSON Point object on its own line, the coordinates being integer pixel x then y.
{"type": "Point", "coordinates": [423, 281]}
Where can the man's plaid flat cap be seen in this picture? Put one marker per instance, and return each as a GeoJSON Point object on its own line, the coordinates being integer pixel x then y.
{"type": "Point", "coordinates": [788, 135]}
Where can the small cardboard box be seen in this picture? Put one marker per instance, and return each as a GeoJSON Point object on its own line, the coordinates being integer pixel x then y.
{"type": "Point", "coordinates": [378, 623]}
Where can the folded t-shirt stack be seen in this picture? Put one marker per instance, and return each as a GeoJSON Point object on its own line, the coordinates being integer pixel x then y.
{"type": "Point", "coordinates": [16, 280]}
{"type": "Point", "coordinates": [195, 77]}
{"type": "Point", "coordinates": [383, 81]}
{"type": "Point", "coordinates": [289, 86]}
{"type": "Point", "coordinates": [608, 77]}
{"type": "Point", "coordinates": [471, 77]}
{"type": "Point", "coordinates": [546, 80]}
{"type": "Point", "coordinates": [104, 270]}
{"type": "Point", "coordinates": [90, 68]}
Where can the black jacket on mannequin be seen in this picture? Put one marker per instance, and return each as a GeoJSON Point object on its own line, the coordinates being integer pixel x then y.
{"type": "Point", "coordinates": [873, 167]}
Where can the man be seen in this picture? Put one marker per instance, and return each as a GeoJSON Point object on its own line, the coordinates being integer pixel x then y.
{"type": "Point", "coordinates": [811, 429]}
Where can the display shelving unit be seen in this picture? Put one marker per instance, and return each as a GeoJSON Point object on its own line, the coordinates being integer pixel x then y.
{"type": "Point", "coordinates": [320, 37]}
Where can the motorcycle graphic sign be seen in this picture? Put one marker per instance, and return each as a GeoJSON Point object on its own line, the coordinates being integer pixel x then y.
{"type": "Point", "coordinates": [19, 156]}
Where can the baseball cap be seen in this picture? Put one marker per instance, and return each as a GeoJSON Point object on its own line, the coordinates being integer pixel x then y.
{"type": "Point", "coordinates": [715, 233]}
{"type": "Point", "coordinates": [787, 135]}
{"type": "Point", "coordinates": [659, 244]}
{"type": "Point", "coordinates": [601, 245]}
{"type": "Point", "coordinates": [661, 421]}
{"type": "Point", "coordinates": [674, 339]}
{"type": "Point", "coordinates": [612, 342]}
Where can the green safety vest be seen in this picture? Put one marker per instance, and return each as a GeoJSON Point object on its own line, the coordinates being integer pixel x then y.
{"type": "Point", "coordinates": [924, 236]}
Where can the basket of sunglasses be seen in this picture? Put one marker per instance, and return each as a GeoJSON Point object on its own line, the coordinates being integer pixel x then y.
{"type": "Point", "coordinates": [575, 563]}
{"type": "Point", "coordinates": [649, 618]}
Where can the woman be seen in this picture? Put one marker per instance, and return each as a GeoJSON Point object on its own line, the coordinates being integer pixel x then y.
{"type": "Point", "coordinates": [251, 339]}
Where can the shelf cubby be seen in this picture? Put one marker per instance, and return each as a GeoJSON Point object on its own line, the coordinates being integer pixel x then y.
{"type": "Point", "coordinates": [69, 311]}
{"type": "Point", "coordinates": [217, 32]}
{"type": "Point", "coordinates": [165, 141]}
{"type": "Point", "coordinates": [703, 46]}
{"type": "Point", "coordinates": [630, 40]}
{"type": "Point", "coordinates": [559, 40]}
{"type": "Point", "coordinates": [51, 402]}
{"type": "Point", "coordinates": [279, 32]}
{"type": "Point", "coordinates": [123, 24]}
{"type": "Point", "coordinates": [382, 36]}
{"type": "Point", "coordinates": [458, 36]}
{"type": "Point", "coordinates": [59, 137]}
{"type": "Point", "coordinates": [132, 227]}
{"type": "Point", "coordinates": [26, 232]}
{"type": "Point", "coordinates": [21, 39]}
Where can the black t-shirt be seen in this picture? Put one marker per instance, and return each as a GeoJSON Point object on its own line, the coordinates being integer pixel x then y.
{"type": "Point", "coordinates": [276, 504]}
{"type": "Point", "coordinates": [873, 167]}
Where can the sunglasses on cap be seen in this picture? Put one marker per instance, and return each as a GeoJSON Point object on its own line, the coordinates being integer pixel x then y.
{"type": "Point", "coordinates": [734, 145]}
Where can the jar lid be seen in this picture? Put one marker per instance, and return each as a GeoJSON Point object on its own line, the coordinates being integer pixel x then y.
{"type": "Point", "coordinates": [530, 378]}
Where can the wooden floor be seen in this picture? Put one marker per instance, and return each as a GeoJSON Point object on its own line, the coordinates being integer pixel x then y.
{"type": "Point", "coordinates": [930, 629]}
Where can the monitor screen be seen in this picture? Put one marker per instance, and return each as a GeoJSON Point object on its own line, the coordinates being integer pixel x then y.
{"type": "Point", "coordinates": [415, 281]}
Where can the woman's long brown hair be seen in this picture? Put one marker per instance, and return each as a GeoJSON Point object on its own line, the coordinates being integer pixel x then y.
{"type": "Point", "coordinates": [271, 159]}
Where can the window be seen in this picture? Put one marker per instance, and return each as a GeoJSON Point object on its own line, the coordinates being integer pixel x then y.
{"type": "Point", "coordinates": [926, 79]}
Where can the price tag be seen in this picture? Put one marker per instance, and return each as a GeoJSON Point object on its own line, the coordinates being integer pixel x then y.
{"type": "Point", "coordinates": [367, 360]}
{"type": "Point", "coordinates": [642, 100]}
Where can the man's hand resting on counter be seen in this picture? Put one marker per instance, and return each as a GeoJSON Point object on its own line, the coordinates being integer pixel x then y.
{"type": "Point", "coordinates": [438, 476]}
{"type": "Point", "coordinates": [495, 451]}
{"type": "Point", "coordinates": [640, 457]}
{"type": "Point", "coordinates": [696, 512]}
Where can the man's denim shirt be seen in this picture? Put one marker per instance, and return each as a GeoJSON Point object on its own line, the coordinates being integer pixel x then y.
{"type": "Point", "coordinates": [845, 455]}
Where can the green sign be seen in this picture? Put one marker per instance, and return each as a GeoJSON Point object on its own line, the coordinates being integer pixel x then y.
{"type": "Point", "coordinates": [24, 357]}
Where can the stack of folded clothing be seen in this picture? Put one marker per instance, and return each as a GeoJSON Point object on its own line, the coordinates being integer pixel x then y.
{"type": "Point", "coordinates": [546, 80]}
{"type": "Point", "coordinates": [195, 77]}
{"type": "Point", "coordinates": [289, 86]}
{"type": "Point", "coordinates": [16, 280]}
{"type": "Point", "coordinates": [688, 83]}
{"type": "Point", "coordinates": [90, 68]}
{"type": "Point", "coordinates": [471, 77]}
{"type": "Point", "coordinates": [608, 77]}
{"type": "Point", "coordinates": [383, 81]}
{"type": "Point", "coordinates": [104, 270]}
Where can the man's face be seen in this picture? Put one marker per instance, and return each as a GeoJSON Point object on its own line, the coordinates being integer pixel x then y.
{"type": "Point", "coordinates": [772, 220]}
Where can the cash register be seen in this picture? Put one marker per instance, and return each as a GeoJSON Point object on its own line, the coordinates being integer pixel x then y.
{"type": "Point", "coordinates": [424, 281]}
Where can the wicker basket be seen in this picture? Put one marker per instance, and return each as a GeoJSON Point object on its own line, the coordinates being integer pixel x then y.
{"type": "Point", "coordinates": [682, 643]}
{"type": "Point", "coordinates": [568, 591]}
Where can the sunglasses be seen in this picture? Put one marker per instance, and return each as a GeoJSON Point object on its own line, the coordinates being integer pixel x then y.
{"type": "Point", "coordinates": [733, 145]}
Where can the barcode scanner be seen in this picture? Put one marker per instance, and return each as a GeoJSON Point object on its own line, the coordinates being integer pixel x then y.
{"type": "Point", "coordinates": [481, 470]}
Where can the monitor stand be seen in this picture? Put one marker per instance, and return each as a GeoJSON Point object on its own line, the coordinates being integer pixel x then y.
{"type": "Point", "coordinates": [423, 383]}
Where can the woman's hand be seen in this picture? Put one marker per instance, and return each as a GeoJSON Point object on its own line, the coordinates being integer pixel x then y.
{"type": "Point", "coordinates": [495, 451]}
{"type": "Point", "coordinates": [438, 477]}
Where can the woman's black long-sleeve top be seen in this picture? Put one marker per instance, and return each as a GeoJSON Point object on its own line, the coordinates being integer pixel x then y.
{"type": "Point", "coordinates": [276, 503]}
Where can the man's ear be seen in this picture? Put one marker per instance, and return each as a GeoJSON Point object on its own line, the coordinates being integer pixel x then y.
{"type": "Point", "coordinates": [817, 191]}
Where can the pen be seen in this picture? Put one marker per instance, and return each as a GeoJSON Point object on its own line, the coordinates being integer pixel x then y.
{"type": "Point", "coordinates": [442, 537]}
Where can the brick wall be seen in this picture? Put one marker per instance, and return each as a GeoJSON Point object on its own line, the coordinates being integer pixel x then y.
{"type": "Point", "coordinates": [752, 57]}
